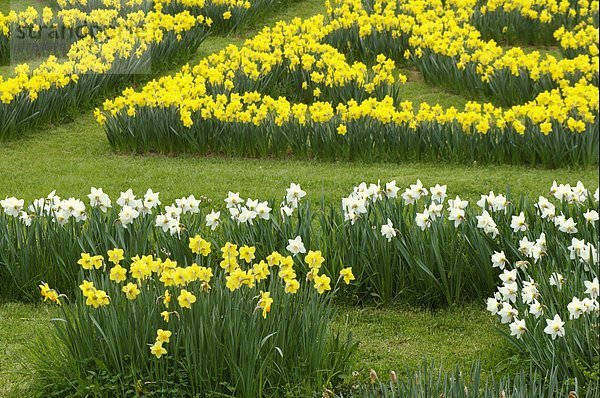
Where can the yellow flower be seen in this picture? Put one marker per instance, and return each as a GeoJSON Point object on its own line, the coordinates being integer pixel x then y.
{"type": "Point", "coordinates": [118, 273]}
{"type": "Point", "coordinates": [131, 291]}
{"type": "Point", "coordinates": [205, 274]}
{"type": "Point", "coordinates": [86, 261]}
{"type": "Point", "coordinates": [347, 274]}
{"type": "Point", "coordinates": [165, 315]}
{"type": "Point", "coordinates": [166, 298]}
{"type": "Point", "coordinates": [247, 253]}
{"type": "Point", "coordinates": [158, 350]}
{"type": "Point", "coordinates": [265, 302]}
{"type": "Point", "coordinates": [322, 283]}
{"type": "Point", "coordinates": [314, 259]}
{"type": "Point", "coordinates": [163, 336]}
{"type": "Point", "coordinates": [342, 130]}
{"type": "Point", "coordinates": [292, 286]}
{"type": "Point", "coordinates": [97, 299]}
{"type": "Point", "coordinates": [200, 246]}
{"type": "Point", "coordinates": [87, 288]}
{"type": "Point", "coordinates": [97, 261]}
{"type": "Point", "coordinates": [186, 299]}
{"type": "Point", "coordinates": [226, 15]}
{"type": "Point", "coordinates": [115, 255]}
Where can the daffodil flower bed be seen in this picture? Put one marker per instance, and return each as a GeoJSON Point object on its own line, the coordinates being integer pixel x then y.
{"type": "Point", "coordinates": [335, 109]}
{"type": "Point", "coordinates": [229, 323]}
{"type": "Point", "coordinates": [416, 247]}
{"type": "Point", "coordinates": [533, 23]}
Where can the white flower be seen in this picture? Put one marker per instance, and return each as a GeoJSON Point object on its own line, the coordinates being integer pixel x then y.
{"type": "Point", "coordinates": [576, 308]}
{"type": "Point", "coordinates": [579, 193]}
{"type": "Point", "coordinates": [493, 202]}
{"type": "Point", "coordinates": [263, 210]}
{"type": "Point", "coordinates": [388, 230]}
{"type": "Point", "coordinates": [212, 219]}
{"type": "Point", "coordinates": [26, 218]}
{"type": "Point", "coordinates": [423, 220]}
{"type": "Point", "coordinates": [499, 260]}
{"type": "Point", "coordinates": [419, 190]}
{"type": "Point", "coordinates": [127, 198]}
{"type": "Point", "coordinates": [526, 247]}
{"type": "Point", "coordinates": [509, 277]}
{"type": "Point", "coordinates": [435, 210]}
{"type": "Point", "coordinates": [529, 292]}
{"type": "Point", "coordinates": [246, 215]}
{"type": "Point", "coordinates": [438, 193]}
{"type": "Point", "coordinates": [162, 221]}
{"type": "Point", "coordinates": [557, 280]}
{"type": "Point", "coordinates": [173, 212]}
{"type": "Point", "coordinates": [127, 215]}
{"type": "Point", "coordinates": [175, 227]}
{"type": "Point", "coordinates": [536, 309]}
{"type": "Point", "coordinates": [507, 313]}
{"type": "Point", "coordinates": [99, 199]}
{"type": "Point", "coordinates": [294, 194]}
{"type": "Point", "coordinates": [456, 215]}
{"type": "Point", "coordinates": [555, 327]}
{"type": "Point", "coordinates": [409, 197]}
{"type": "Point", "coordinates": [486, 223]}
{"type": "Point", "coordinates": [590, 305]}
{"type": "Point", "coordinates": [457, 203]}
{"type": "Point", "coordinates": [591, 216]}
{"type": "Point", "coordinates": [296, 246]}
{"type": "Point", "coordinates": [233, 199]}
{"type": "Point", "coordinates": [576, 247]}
{"type": "Point", "coordinates": [509, 292]}
{"type": "Point", "coordinates": [151, 199]}
{"type": "Point", "coordinates": [589, 255]}
{"type": "Point", "coordinates": [188, 205]}
{"type": "Point", "coordinates": [286, 211]}
{"type": "Point", "coordinates": [374, 192]}
{"type": "Point", "coordinates": [251, 204]}
{"type": "Point", "coordinates": [518, 223]}
{"type": "Point", "coordinates": [568, 226]}
{"type": "Point", "coordinates": [547, 209]}
{"type": "Point", "coordinates": [517, 328]}
{"type": "Point", "coordinates": [592, 288]}
{"type": "Point", "coordinates": [493, 305]}
{"type": "Point", "coordinates": [12, 206]}
{"type": "Point", "coordinates": [597, 195]}
{"type": "Point", "coordinates": [355, 204]}
{"type": "Point", "coordinates": [391, 190]}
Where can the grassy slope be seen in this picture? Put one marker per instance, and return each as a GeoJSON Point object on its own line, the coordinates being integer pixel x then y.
{"type": "Point", "coordinates": [389, 339]}
{"type": "Point", "coordinates": [74, 156]}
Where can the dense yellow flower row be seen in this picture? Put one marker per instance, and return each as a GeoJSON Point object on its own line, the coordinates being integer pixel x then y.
{"type": "Point", "coordinates": [208, 90]}
{"type": "Point", "coordinates": [444, 30]}
{"type": "Point", "coordinates": [583, 36]}
{"type": "Point", "coordinates": [543, 10]}
{"type": "Point", "coordinates": [132, 36]}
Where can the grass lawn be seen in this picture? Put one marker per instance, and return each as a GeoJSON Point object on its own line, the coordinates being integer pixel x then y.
{"type": "Point", "coordinates": [389, 339]}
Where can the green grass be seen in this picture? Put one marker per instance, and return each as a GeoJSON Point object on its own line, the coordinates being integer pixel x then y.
{"type": "Point", "coordinates": [389, 339]}
{"type": "Point", "coordinates": [20, 324]}
{"type": "Point", "coordinates": [73, 157]}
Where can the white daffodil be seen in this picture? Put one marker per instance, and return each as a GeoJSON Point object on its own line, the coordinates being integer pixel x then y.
{"type": "Point", "coordinates": [212, 219]}
{"type": "Point", "coordinates": [518, 328]}
{"type": "Point", "coordinates": [12, 206]}
{"type": "Point", "coordinates": [388, 230]}
{"type": "Point", "coordinates": [518, 223]}
{"type": "Point", "coordinates": [438, 193]}
{"type": "Point", "coordinates": [555, 327]}
{"type": "Point", "coordinates": [499, 260]}
{"type": "Point", "coordinates": [295, 246]}
{"type": "Point", "coordinates": [592, 288]}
